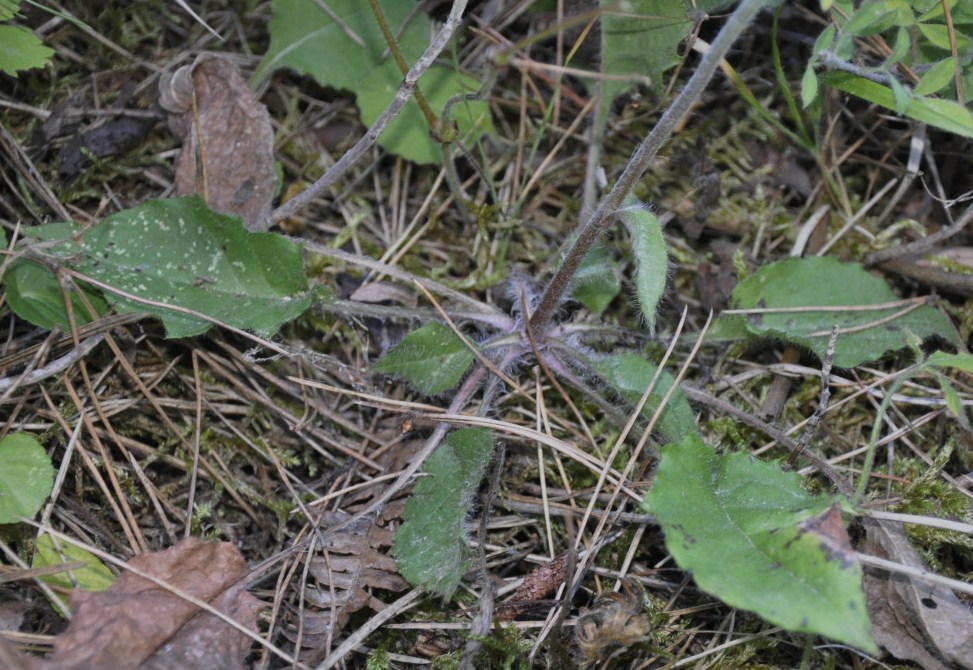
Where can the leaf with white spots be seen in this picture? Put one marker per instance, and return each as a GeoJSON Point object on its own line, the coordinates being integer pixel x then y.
{"type": "Point", "coordinates": [179, 253]}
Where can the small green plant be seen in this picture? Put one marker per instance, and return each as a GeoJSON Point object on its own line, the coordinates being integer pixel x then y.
{"type": "Point", "coordinates": [917, 52]}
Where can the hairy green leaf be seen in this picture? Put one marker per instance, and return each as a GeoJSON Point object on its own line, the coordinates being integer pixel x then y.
{"type": "Point", "coordinates": [597, 282]}
{"type": "Point", "coordinates": [810, 294]}
{"type": "Point", "coordinates": [937, 77]}
{"type": "Point", "coordinates": [630, 374]}
{"type": "Point", "coordinates": [431, 547]}
{"type": "Point", "coordinates": [354, 56]}
{"type": "Point", "coordinates": [94, 576]}
{"type": "Point", "coordinates": [651, 258]}
{"type": "Point", "coordinates": [432, 358]}
{"type": "Point", "coordinates": [755, 539]}
{"type": "Point", "coordinates": [26, 477]}
{"type": "Point", "coordinates": [21, 50]}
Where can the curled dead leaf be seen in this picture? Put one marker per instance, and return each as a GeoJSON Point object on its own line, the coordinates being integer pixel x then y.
{"type": "Point", "coordinates": [227, 140]}
{"type": "Point", "coordinates": [913, 620]}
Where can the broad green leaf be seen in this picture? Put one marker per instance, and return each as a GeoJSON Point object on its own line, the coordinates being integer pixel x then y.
{"type": "Point", "coordinates": [752, 537]}
{"type": "Point", "coordinates": [179, 252]}
{"type": "Point", "coordinates": [431, 547]}
{"type": "Point", "coordinates": [597, 282]}
{"type": "Point", "coordinates": [408, 135]}
{"type": "Point", "coordinates": [937, 77]}
{"type": "Point", "coordinates": [640, 38]}
{"type": "Point", "coordinates": [651, 258]}
{"type": "Point", "coordinates": [21, 50]}
{"type": "Point", "coordinates": [26, 477]}
{"type": "Point", "coordinates": [94, 576]}
{"type": "Point", "coordinates": [304, 38]}
{"type": "Point", "coordinates": [797, 284]}
{"type": "Point", "coordinates": [432, 358]}
{"type": "Point", "coordinates": [629, 375]}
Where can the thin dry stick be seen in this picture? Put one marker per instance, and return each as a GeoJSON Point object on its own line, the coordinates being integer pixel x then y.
{"type": "Point", "coordinates": [812, 424]}
{"type": "Point", "coordinates": [362, 146]}
{"type": "Point", "coordinates": [197, 439]}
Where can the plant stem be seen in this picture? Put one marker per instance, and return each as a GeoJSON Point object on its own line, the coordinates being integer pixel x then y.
{"type": "Point", "coordinates": [431, 119]}
{"type": "Point", "coordinates": [640, 160]}
{"type": "Point", "coordinates": [406, 89]}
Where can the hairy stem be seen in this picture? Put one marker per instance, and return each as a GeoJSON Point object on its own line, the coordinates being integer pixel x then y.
{"type": "Point", "coordinates": [640, 160]}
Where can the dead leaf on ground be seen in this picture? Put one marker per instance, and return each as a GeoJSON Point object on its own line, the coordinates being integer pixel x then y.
{"type": "Point", "coordinates": [355, 562]}
{"type": "Point", "coordinates": [914, 620]}
{"type": "Point", "coordinates": [229, 157]}
{"type": "Point", "coordinates": [138, 624]}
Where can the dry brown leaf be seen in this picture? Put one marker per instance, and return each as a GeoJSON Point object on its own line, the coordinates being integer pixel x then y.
{"type": "Point", "coordinates": [914, 620]}
{"type": "Point", "coordinates": [353, 562]}
{"type": "Point", "coordinates": [136, 623]}
{"type": "Point", "coordinates": [233, 162]}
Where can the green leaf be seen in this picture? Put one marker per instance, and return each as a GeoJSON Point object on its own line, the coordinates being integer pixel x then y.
{"type": "Point", "coordinates": [870, 19]}
{"type": "Point", "coordinates": [179, 252]}
{"type": "Point", "coordinates": [94, 576]}
{"type": "Point", "coordinates": [26, 477]}
{"type": "Point", "coordinates": [431, 547]}
{"type": "Point", "coordinates": [756, 540]}
{"type": "Point", "coordinates": [809, 87]}
{"type": "Point", "coordinates": [433, 359]}
{"type": "Point", "coordinates": [597, 282]}
{"type": "Point", "coordinates": [640, 41]}
{"type": "Point", "coordinates": [903, 99]}
{"type": "Point", "coordinates": [21, 50]}
{"type": "Point", "coordinates": [801, 283]}
{"type": "Point", "coordinates": [903, 42]}
{"type": "Point", "coordinates": [34, 295]}
{"type": "Point", "coordinates": [937, 77]}
{"type": "Point", "coordinates": [8, 9]}
{"type": "Point", "coordinates": [304, 38]}
{"type": "Point", "coordinates": [824, 41]}
{"type": "Point", "coordinates": [408, 135]}
{"type": "Point", "coordinates": [630, 374]}
{"type": "Point", "coordinates": [942, 359]}
{"type": "Point", "coordinates": [938, 35]}
{"type": "Point", "coordinates": [651, 258]}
